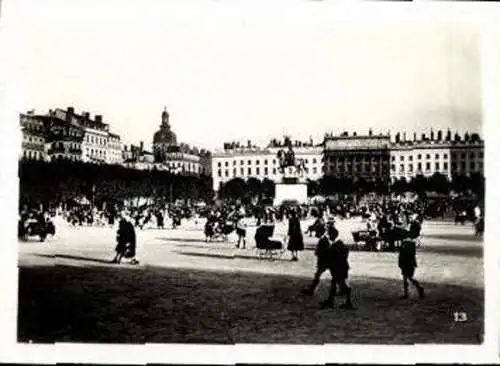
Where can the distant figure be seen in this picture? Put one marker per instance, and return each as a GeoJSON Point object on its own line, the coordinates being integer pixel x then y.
{"type": "Point", "coordinates": [295, 239]}
{"type": "Point", "coordinates": [241, 231]}
{"type": "Point", "coordinates": [407, 263]}
{"type": "Point", "coordinates": [333, 257]}
{"type": "Point", "coordinates": [126, 241]}
{"type": "Point", "coordinates": [160, 222]}
{"type": "Point", "coordinates": [318, 223]}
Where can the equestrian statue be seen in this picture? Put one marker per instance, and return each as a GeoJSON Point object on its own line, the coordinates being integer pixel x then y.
{"type": "Point", "coordinates": [286, 158]}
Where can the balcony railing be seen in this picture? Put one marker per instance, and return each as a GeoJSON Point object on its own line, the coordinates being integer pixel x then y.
{"type": "Point", "coordinates": [56, 150]}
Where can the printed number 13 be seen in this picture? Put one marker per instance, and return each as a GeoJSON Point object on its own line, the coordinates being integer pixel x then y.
{"type": "Point", "coordinates": [460, 316]}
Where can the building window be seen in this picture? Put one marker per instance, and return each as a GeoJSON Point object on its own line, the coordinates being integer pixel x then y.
{"type": "Point", "coordinates": [427, 166]}
{"type": "Point", "coordinates": [241, 162]}
{"type": "Point", "coordinates": [419, 156]}
{"type": "Point", "coordinates": [314, 170]}
{"type": "Point", "coordinates": [410, 157]}
{"type": "Point", "coordinates": [410, 168]}
{"type": "Point", "coordinates": [219, 173]}
{"type": "Point", "coordinates": [274, 171]}
{"type": "Point", "coordinates": [402, 158]}
{"type": "Point", "coordinates": [249, 162]}
{"type": "Point", "coordinates": [265, 170]}
{"type": "Point", "coordinates": [249, 171]}
{"type": "Point", "coordinates": [445, 156]}
{"type": "Point", "coordinates": [234, 172]}
{"type": "Point", "coordinates": [472, 156]}
{"type": "Point", "coordinates": [480, 165]}
{"type": "Point", "coordinates": [445, 166]}
{"type": "Point", "coordinates": [274, 161]}
{"type": "Point", "coordinates": [242, 171]}
{"type": "Point", "coordinates": [402, 167]}
{"type": "Point", "coordinates": [257, 162]}
{"type": "Point", "coordinates": [314, 160]}
{"type": "Point", "coordinates": [463, 165]}
{"type": "Point", "coordinates": [437, 166]}
{"type": "Point", "coordinates": [428, 156]}
{"type": "Point", "coordinates": [481, 155]}
{"type": "Point", "coordinates": [463, 156]}
{"type": "Point", "coordinates": [437, 156]}
{"type": "Point", "coordinates": [226, 163]}
{"type": "Point", "coordinates": [234, 162]}
{"type": "Point", "coordinates": [472, 166]}
{"type": "Point", "coordinates": [265, 162]}
{"type": "Point", "coordinates": [257, 171]}
{"type": "Point", "coordinates": [419, 167]}
{"type": "Point", "coordinates": [454, 166]}
{"type": "Point", "coordinates": [393, 167]}
{"type": "Point", "coordinates": [226, 172]}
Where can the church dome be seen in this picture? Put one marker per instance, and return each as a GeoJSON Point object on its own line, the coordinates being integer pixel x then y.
{"type": "Point", "coordinates": [165, 135]}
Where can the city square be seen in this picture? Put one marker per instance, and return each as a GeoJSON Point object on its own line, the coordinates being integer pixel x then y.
{"type": "Point", "coordinates": [186, 290]}
{"type": "Point", "coordinates": [252, 178]}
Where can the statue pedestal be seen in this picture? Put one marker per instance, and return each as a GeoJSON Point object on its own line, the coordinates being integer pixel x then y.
{"type": "Point", "coordinates": [291, 188]}
{"type": "Point", "coordinates": [290, 192]}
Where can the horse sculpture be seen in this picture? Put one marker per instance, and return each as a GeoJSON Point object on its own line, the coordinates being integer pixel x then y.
{"type": "Point", "coordinates": [287, 159]}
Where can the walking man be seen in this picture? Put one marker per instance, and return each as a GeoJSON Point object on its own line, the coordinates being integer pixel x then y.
{"type": "Point", "coordinates": [334, 257]}
{"type": "Point", "coordinates": [407, 263]}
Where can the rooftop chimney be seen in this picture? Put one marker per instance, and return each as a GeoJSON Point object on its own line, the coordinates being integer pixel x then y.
{"type": "Point", "coordinates": [414, 136]}
{"type": "Point", "coordinates": [354, 133]}
{"type": "Point", "coordinates": [141, 146]}
{"type": "Point", "coordinates": [398, 138]}
{"type": "Point", "coordinates": [249, 144]}
{"type": "Point", "coordinates": [448, 135]}
{"type": "Point", "coordinates": [404, 136]}
{"type": "Point", "coordinates": [440, 135]}
{"type": "Point", "coordinates": [370, 132]}
{"type": "Point", "coordinates": [69, 114]}
{"type": "Point", "coordinates": [432, 134]}
{"type": "Point", "coordinates": [98, 119]}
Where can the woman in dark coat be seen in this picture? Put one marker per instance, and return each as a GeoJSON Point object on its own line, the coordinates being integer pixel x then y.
{"type": "Point", "coordinates": [126, 242]}
{"type": "Point", "coordinates": [295, 239]}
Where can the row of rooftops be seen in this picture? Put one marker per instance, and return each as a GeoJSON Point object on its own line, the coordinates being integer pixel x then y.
{"type": "Point", "coordinates": [181, 148]}
{"type": "Point", "coordinates": [354, 141]}
{"type": "Point", "coordinates": [70, 117]}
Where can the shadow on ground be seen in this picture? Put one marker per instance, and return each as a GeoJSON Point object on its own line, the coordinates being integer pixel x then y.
{"type": "Point", "coordinates": [154, 304]}
{"type": "Point", "coordinates": [74, 257]}
{"type": "Point", "coordinates": [456, 237]}
{"type": "Point", "coordinates": [463, 251]}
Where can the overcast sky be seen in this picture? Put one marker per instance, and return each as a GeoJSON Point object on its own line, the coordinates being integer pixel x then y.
{"type": "Point", "coordinates": [231, 72]}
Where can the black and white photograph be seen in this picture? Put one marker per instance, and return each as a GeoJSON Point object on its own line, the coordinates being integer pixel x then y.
{"type": "Point", "coordinates": [215, 175]}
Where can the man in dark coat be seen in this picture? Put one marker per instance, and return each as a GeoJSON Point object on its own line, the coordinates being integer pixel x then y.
{"type": "Point", "coordinates": [126, 241]}
{"type": "Point", "coordinates": [333, 257]}
{"type": "Point", "coordinates": [407, 262]}
{"type": "Point", "coordinates": [295, 239]}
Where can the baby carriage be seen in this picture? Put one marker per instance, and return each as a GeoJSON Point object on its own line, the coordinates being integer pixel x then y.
{"type": "Point", "coordinates": [266, 246]}
{"type": "Point", "coordinates": [218, 230]}
{"type": "Point", "coordinates": [372, 242]}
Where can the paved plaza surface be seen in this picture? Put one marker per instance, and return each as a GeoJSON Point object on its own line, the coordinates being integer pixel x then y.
{"type": "Point", "coordinates": [186, 290]}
